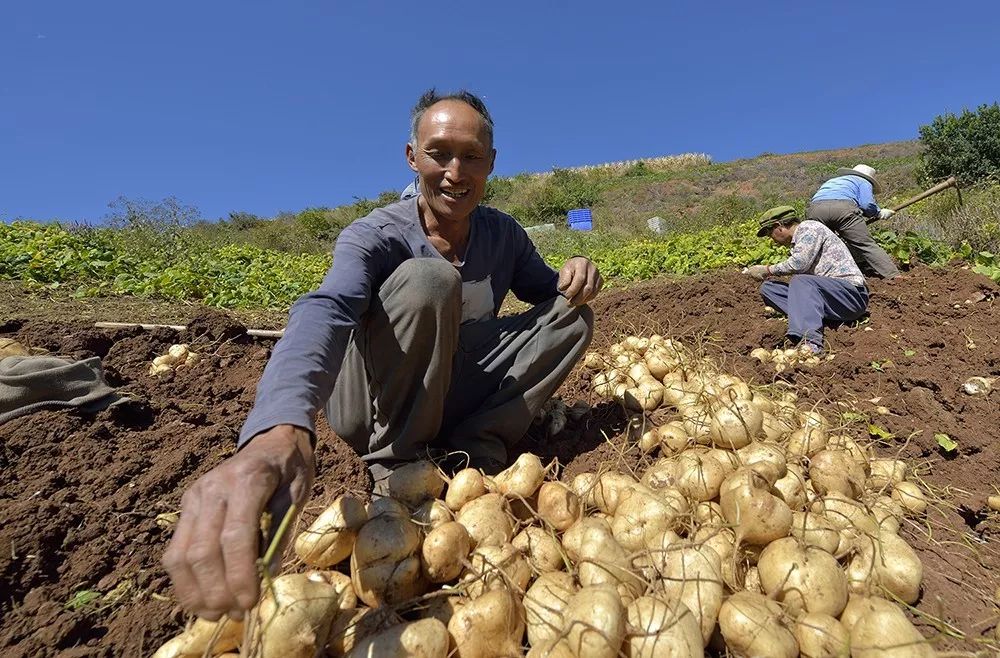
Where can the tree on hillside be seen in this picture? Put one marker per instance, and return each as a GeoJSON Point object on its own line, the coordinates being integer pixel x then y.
{"type": "Point", "coordinates": [164, 215]}
{"type": "Point", "coordinates": [965, 145]}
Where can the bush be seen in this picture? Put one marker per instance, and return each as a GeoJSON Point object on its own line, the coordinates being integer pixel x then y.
{"type": "Point", "coordinates": [152, 228]}
{"type": "Point", "coordinates": [497, 189]}
{"type": "Point", "coordinates": [243, 221]}
{"type": "Point", "coordinates": [975, 221]}
{"type": "Point", "coordinates": [316, 221]}
{"type": "Point", "coordinates": [966, 145]}
{"type": "Point", "coordinates": [325, 223]}
{"type": "Point", "coordinates": [548, 198]}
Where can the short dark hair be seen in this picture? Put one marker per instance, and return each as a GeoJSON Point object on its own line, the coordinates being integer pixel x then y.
{"type": "Point", "coordinates": [431, 96]}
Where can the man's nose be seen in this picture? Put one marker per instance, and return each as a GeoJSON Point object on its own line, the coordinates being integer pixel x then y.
{"type": "Point", "coordinates": [454, 169]}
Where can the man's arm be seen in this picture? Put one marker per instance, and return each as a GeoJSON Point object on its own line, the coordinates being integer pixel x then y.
{"type": "Point", "coordinates": [212, 556]}
{"type": "Point", "coordinates": [305, 363]}
{"type": "Point", "coordinates": [533, 280]}
{"type": "Point", "coordinates": [866, 199]}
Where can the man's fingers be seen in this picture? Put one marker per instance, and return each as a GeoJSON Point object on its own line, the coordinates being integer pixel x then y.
{"type": "Point", "coordinates": [240, 541]}
{"type": "Point", "coordinates": [591, 285]}
{"type": "Point", "coordinates": [175, 557]}
{"type": "Point", "coordinates": [573, 290]}
{"type": "Point", "coordinates": [594, 282]}
{"type": "Point", "coordinates": [565, 276]}
{"type": "Point", "coordinates": [204, 556]}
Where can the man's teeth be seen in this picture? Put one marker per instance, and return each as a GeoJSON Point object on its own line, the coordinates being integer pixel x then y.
{"type": "Point", "coordinates": [455, 194]}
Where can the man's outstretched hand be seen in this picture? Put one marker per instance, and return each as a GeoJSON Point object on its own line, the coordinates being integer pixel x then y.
{"type": "Point", "coordinates": [579, 281]}
{"type": "Point", "coordinates": [212, 558]}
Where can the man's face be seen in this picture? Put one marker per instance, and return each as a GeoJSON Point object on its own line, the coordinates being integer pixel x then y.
{"type": "Point", "coordinates": [783, 234]}
{"type": "Point", "coordinates": [453, 157]}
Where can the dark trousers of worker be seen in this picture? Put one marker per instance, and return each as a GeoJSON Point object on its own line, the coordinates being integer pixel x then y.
{"type": "Point", "coordinates": [809, 301]}
{"type": "Point", "coordinates": [414, 379]}
{"type": "Point", "coordinates": [845, 219]}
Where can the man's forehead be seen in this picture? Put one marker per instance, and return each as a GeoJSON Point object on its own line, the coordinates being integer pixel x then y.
{"type": "Point", "coordinates": [450, 113]}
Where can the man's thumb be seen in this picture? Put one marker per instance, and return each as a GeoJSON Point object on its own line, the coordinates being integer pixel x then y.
{"type": "Point", "coordinates": [564, 278]}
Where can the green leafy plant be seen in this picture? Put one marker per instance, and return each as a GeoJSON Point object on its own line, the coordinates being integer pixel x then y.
{"type": "Point", "coordinates": [81, 599]}
{"type": "Point", "coordinates": [946, 443]}
{"type": "Point", "coordinates": [966, 145]}
{"type": "Point", "coordinates": [880, 433]}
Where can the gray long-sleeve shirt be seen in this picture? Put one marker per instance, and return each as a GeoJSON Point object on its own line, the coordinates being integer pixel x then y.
{"type": "Point", "coordinates": [302, 371]}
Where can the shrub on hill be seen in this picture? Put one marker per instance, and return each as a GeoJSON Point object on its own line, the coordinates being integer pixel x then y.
{"type": "Point", "coordinates": [965, 145]}
{"type": "Point", "coordinates": [325, 224]}
{"type": "Point", "coordinates": [547, 199]}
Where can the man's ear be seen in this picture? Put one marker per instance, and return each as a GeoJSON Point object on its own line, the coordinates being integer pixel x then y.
{"type": "Point", "coordinates": [493, 159]}
{"type": "Point", "coordinates": [411, 156]}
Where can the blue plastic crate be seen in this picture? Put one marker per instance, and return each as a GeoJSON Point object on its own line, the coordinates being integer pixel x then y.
{"type": "Point", "coordinates": [580, 219]}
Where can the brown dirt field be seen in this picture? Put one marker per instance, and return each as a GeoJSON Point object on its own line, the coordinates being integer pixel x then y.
{"type": "Point", "coordinates": [80, 493]}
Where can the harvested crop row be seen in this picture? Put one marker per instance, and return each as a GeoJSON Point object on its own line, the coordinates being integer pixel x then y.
{"type": "Point", "coordinates": [756, 530]}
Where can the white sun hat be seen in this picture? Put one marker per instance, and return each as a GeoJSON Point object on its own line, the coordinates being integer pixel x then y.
{"type": "Point", "coordinates": [863, 170]}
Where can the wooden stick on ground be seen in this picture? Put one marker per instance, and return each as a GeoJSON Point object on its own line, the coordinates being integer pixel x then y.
{"type": "Point", "coordinates": [257, 333]}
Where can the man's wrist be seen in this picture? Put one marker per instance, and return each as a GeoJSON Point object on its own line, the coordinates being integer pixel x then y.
{"type": "Point", "coordinates": [284, 435]}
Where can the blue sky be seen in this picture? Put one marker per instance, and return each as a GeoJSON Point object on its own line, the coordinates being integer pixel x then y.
{"type": "Point", "coordinates": [268, 106]}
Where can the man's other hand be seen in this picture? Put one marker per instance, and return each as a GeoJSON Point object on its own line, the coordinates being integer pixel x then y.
{"type": "Point", "coordinates": [758, 272]}
{"type": "Point", "coordinates": [885, 213]}
{"type": "Point", "coordinates": [579, 281]}
{"type": "Point", "coordinates": [212, 557]}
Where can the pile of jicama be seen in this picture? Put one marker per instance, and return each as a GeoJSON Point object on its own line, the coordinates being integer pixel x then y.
{"type": "Point", "coordinates": [178, 356]}
{"type": "Point", "coordinates": [754, 530]}
{"type": "Point", "coordinates": [783, 359]}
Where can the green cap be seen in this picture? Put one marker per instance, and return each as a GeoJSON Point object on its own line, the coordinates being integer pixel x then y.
{"type": "Point", "coordinates": [774, 216]}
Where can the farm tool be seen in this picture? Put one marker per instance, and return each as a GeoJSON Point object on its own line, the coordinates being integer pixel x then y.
{"type": "Point", "coordinates": [940, 187]}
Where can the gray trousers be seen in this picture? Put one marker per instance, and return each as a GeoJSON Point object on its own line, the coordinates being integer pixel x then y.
{"type": "Point", "coordinates": [414, 378]}
{"type": "Point", "coordinates": [845, 219]}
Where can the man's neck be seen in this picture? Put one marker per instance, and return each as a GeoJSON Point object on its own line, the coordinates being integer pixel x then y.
{"type": "Point", "coordinates": [450, 230]}
{"type": "Point", "coordinates": [450, 237]}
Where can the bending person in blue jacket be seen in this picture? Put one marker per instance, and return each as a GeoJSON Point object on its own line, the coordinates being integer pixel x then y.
{"type": "Point", "coordinates": [402, 345]}
{"type": "Point", "coordinates": [844, 204]}
{"type": "Point", "coordinates": [826, 286]}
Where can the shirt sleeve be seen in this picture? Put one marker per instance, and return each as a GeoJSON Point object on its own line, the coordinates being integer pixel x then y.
{"type": "Point", "coordinates": [866, 199]}
{"type": "Point", "coordinates": [805, 251]}
{"type": "Point", "coordinates": [303, 368]}
{"type": "Point", "coordinates": [533, 280]}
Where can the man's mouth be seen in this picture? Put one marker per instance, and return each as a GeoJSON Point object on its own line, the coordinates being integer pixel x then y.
{"type": "Point", "coordinates": [454, 193]}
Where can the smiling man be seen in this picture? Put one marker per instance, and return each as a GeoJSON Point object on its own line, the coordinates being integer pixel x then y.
{"type": "Point", "coordinates": [402, 345]}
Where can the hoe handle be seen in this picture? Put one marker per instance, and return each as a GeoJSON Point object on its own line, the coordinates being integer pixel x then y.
{"type": "Point", "coordinates": [944, 185]}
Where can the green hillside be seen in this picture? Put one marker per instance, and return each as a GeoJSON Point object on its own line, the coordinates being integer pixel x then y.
{"type": "Point", "coordinates": [164, 250]}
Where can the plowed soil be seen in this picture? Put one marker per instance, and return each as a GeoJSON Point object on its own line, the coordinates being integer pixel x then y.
{"type": "Point", "coordinates": [79, 494]}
